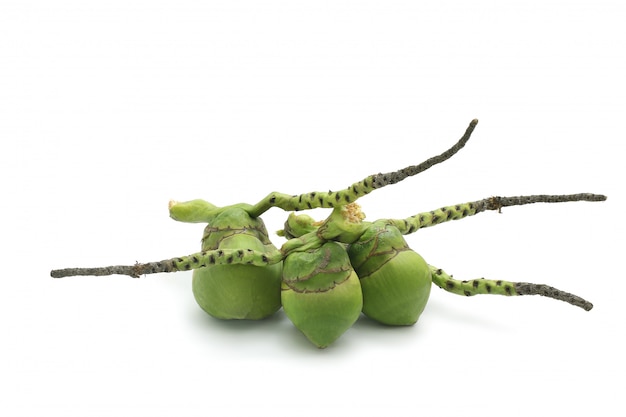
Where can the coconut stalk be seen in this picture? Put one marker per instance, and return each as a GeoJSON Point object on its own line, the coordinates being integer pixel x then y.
{"type": "Point", "coordinates": [331, 199]}
{"type": "Point", "coordinates": [500, 287]}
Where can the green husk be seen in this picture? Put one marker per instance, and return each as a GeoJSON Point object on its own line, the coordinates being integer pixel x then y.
{"type": "Point", "coordinates": [237, 291]}
{"type": "Point", "coordinates": [321, 293]}
{"type": "Point", "coordinates": [395, 280]}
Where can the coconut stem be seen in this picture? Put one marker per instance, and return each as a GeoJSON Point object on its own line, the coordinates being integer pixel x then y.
{"type": "Point", "coordinates": [500, 287]}
{"type": "Point", "coordinates": [185, 263]}
{"type": "Point", "coordinates": [332, 199]}
{"type": "Point", "coordinates": [460, 211]}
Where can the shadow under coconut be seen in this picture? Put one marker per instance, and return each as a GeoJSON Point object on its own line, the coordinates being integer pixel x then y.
{"type": "Point", "coordinates": [369, 329]}
{"type": "Point", "coordinates": [278, 331]}
{"type": "Point", "coordinates": [254, 335]}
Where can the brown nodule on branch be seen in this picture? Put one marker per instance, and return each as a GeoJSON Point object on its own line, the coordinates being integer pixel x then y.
{"type": "Point", "coordinates": [527, 288]}
{"type": "Point", "coordinates": [381, 180]}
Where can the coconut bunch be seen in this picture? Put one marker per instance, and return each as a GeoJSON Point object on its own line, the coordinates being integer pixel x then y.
{"type": "Point", "coordinates": [361, 267]}
{"type": "Point", "coordinates": [327, 272]}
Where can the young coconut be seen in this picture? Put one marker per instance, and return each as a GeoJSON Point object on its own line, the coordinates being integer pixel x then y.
{"type": "Point", "coordinates": [395, 280]}
{"type": "Point", "coordinates": [230, 291]}
{"type": "Point", "coordinates": [321, 293]}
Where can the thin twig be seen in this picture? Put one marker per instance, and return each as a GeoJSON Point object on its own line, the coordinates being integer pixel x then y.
{"type": "Point", "coordinates": [461, 211]}
{"type": "Point", "coordinates": [501, 287]}
{"type": "Point", "coordinates": [527, 288]}
{"type": "Point", "coordinates": [496, 203]}
{"type": "Point", "coordinates": [330, 199]}
{"type": "Point", "coordinates": [183, 263]}
{"type": "Point", "coordinates": [382, 180]}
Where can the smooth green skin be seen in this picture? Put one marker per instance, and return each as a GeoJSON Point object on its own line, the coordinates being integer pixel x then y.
{"type": "Point", "coordinates": [395, 280]}
{"type": "Point", "coordinates": [194, 211]}
{"type": "Point", "coordinates": [237, 291]}
{"type": "Point", "coordinates": [297, 225]}
{"type": "Point", "coordinates": [321, 293]}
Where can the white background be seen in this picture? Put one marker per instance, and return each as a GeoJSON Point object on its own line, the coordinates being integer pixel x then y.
{"type": "Point", "coordinates": [110, 109]}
